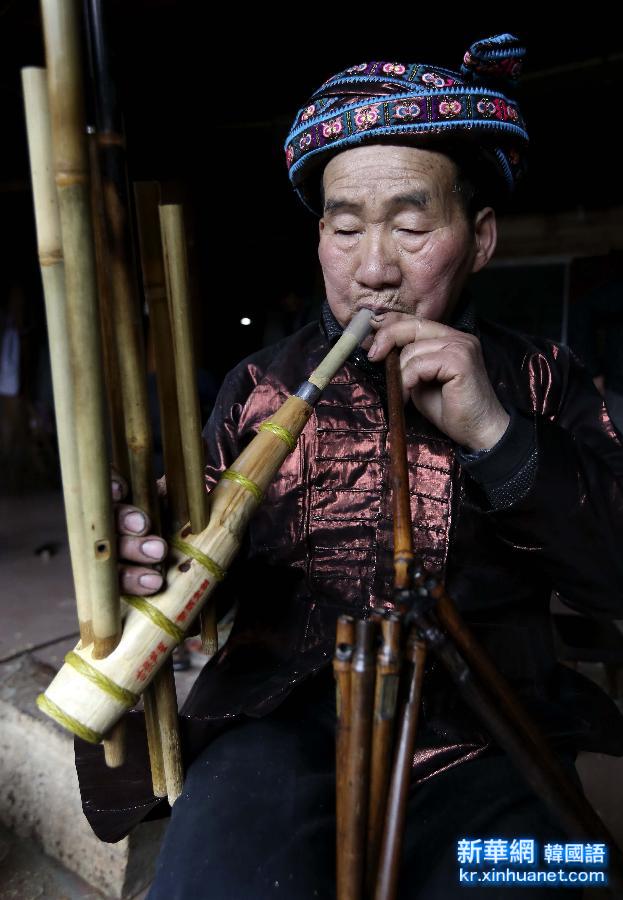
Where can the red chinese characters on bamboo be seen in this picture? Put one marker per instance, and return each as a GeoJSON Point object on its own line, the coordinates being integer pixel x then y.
{"type": "Point", "coordinates": [192, 602]}
{"type": "Point", "coordinates": [150, 661]}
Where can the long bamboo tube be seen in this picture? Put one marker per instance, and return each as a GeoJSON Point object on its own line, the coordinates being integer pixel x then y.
{"type": "Point", "coordinates": [60, 22]}
{"type": "Point", "coordinates": [178, 289]}
{"type": "Point", "coordinates": [355, 802]}
{"type": "Point", "coordinates": [114, 745]}
{"type": "Point", "coordinates": [393, 834]}
{"type": "Point", "coordinates": [88, 695]}
{"type": "Point", "coordinates": [131, 360]}
{"type": "Point", "coordinates": [390, 848]}
{"type": "Point", "coordinates": [114, 397]}
{"type": "Point", "coordinates": [53, 276]}
{"type": "Point", "coordinates": [385, 696]}
{"type": "Point", "coordinates": [72, 181]}
{"type": "Point", "coordinates": [147, 200]}
{"type": "Point", "coordinates": [342, 660]}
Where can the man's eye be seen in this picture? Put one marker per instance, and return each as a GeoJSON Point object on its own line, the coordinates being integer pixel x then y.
{"type": "Point", "coordinates": [410, 231]}
{"type": "Point", "coordinates": [345, 231]}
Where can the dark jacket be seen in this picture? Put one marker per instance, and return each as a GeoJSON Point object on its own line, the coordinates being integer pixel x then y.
{"type": "Point", "coordinates": [541, 512]}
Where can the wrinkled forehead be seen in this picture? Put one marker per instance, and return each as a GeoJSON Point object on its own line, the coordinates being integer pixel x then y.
{"type": "Point", "coordinates": [380, 172]}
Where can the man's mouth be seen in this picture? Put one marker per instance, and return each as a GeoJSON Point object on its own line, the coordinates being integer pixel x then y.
{"type": "Point", "coordinates": [380, 309]}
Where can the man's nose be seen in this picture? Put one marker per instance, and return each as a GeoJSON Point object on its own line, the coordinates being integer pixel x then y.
{"type": "Point", "coordinates": [378, 262]}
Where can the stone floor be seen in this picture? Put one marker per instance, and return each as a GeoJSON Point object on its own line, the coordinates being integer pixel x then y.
{"type": "Point", "coordinates": [28, 874]}
{"type": "Point", "coordinates": [39, 626]}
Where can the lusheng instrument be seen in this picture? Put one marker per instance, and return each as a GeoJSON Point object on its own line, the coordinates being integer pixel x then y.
{"type": "Point", "coordinates": [430, 619]}
{"type": "Point", "coordinates": [88, 695]}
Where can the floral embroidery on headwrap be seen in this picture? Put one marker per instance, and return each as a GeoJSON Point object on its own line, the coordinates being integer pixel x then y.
{"type": "Point", "coordinates": [450, 107]}
{"type": "Point", "coordinates": [375, 100]}
{"type": "Point", "coordinates": [407, 110]}
{"type": "Point", "coordinates": [436, 80]}
{"type": "Point", "coordinates": [367, 116]}
{"type": "Point", "coordinates": [332, 128]}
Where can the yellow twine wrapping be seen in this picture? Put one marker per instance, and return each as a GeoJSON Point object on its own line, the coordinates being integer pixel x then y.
{"type": "Point", "coordinates": [50, 708]}
{"type": "Point", "coordinates": [282, 433]}
{"type": "Point", "coordinates": [207, 563]}
{"type": "Point", "coordinates": [157, 617]}
{"type": "Point", "coordinates": [243, 481]}
{"type": "Point", "coordinates": [102, 681]}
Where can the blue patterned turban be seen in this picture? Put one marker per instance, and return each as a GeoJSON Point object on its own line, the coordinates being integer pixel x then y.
{"type": "Point", "coordinates": [424, 105]}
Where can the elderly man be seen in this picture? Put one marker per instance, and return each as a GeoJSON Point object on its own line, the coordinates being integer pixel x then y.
{"type": "Point", "coordinates": [516, 483]}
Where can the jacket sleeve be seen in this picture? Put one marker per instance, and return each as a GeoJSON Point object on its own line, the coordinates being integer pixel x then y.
{"type": "Point", "coordinates": [553, 487]}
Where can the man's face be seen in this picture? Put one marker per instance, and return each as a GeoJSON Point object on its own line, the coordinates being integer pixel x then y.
{"type": "Point", "coordinates": [394, 236]}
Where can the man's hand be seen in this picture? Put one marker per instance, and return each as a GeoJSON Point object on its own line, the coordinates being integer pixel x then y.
{"type": "Point", "coordinates": [443, 372]}
{"type": "Point", "coordinates": [136, 545]}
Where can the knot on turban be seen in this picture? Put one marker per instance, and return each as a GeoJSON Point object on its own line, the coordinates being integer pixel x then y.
{"type": "Point", "coordinates": [418, 103]}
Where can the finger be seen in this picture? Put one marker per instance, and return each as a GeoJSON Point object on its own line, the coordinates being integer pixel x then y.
{"type": "Point", "coordinates": [440, 346]}
{"type": "Point", "coordinates": [426, 367]}
{"type": "Point", "coordinates": [131, 519]}
{"type": "Point", "coordinates": [150, 549]}
{"type": "Point", "coordinates": [139, 580]}
{"type": "Point", "coordinates": [119, 485]}
{"type": "Point", "coordinates": [400, 332]}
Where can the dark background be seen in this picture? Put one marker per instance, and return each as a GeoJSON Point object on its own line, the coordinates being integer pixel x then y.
{"type": "Point", "coordinates": [208, 98]}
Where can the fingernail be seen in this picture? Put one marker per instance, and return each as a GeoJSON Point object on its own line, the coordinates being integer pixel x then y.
{"type": "Point", "coordinates": [153, 582]}
{"type": "Point", "coordinates": [117, 493]}
{"type": "Point", "coordinates": [134, 521]}
{"type": "Point", "coordinates": [372, 351]}
{"type": "Point", "coordinates": [153, 549]}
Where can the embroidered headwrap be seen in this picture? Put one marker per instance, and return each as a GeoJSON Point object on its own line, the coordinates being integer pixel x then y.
{"type": "Point", "coordinates": [418, 104]}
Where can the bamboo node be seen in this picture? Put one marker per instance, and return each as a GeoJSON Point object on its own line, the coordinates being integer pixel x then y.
{"type": "Point", "coordinates": [282, 433]}
{"type": "Point", "coordinates": [51, 258]}
{"type": "Point", "coordinates": [243, 481]}
{"type": "Point", "coordinates": [71, 179]}
{"type": "Point", "coordinates": [207, 563]}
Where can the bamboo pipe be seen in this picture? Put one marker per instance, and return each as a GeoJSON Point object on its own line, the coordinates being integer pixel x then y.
{"type": "Point", "coordinates": [119, 450]}
{"type": "Point", "coordinates": [399, 475]}
{"type": "Point", "coordinates": [114, 745]}
{"type": "Point", "coordinates": [53, 277]}
{"type": "Point", "coordinates": [161, 718]}
{"type": "Point", "coordinates": [393, 834]}
{"type": "Point", "coordinates": [72, 182]}
{"type": "Point", "coordinates": [147, 200]}
{"type": "Point", "coordinates": [178, 290]}
{"type": "Point", "coordinates": [88, 695]}
{"type": "Point", "coordinates": [386, 693]}
{"type": "Point", "coordinates": [147, 197]}
{"type": "Point", "coordinates": [351, 859]}
{"type": "Point", "coordinates": [342, 660]}
{"type": "Point", "coordinates": [123, 279]}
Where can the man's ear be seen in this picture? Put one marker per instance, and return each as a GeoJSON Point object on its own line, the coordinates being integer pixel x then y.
{"type": "Point", "coordinates": [485, 237]}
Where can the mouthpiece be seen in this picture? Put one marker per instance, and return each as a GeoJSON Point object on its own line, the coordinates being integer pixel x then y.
{"type": "Point", "coordinates": [355, 332]}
